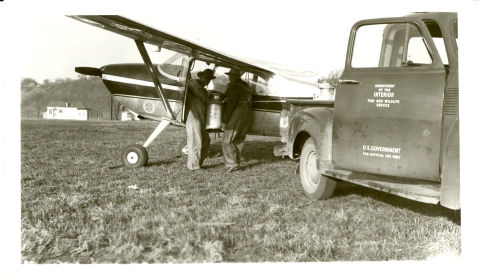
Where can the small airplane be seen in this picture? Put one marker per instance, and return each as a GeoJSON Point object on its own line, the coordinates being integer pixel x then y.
{"type": "Point", "coordinates": [158, 91]}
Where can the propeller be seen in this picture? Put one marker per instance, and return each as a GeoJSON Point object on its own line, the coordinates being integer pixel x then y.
{"type": "Point", "coordinates": [91, 71]}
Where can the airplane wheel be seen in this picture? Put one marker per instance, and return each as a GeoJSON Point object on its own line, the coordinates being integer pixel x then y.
{"type": "Point", "coordinates": [314, 184]}
{"type": "Point", "coordinates": [134, 156]}
{"type": "Point", "coordinates": [183, 150]}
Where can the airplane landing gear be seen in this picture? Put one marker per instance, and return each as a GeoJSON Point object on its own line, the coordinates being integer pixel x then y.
{"type": "Point", "coordinates": [134, 156]}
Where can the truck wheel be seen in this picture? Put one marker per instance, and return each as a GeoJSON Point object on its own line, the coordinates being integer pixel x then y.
{"type": "Point", "coordinates": [183, 150]}
{"type": "Point", "coordinates": [134, 156]}
{"type": "Point", "coordinates": [314, 184]}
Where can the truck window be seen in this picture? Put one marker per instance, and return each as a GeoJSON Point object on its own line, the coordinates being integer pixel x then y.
{"type": "Point", "coordinates": [455, 34]}
{"type": "Point", "coordinates": [389, 45]}
{"type": "Point", "coordinates": [417, 53]}
{"type": "Point", "coordinates": [436, 33]}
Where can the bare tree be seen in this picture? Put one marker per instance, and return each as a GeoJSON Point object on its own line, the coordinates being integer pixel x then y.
{"type": "Point", "coordinates": [117, 109]}
{"type": "Point", "coordinates": [332, 77]}
{"type": "Point", "coordinates": [47, 83]}
{"type": "Point", "coordinates": [28, 83]}
{"type": "Point", "coordinates": [37, 95]}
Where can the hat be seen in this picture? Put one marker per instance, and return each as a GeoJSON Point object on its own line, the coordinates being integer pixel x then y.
{"type": "Point", "coordinates": [233, 71]}
{"type": "Point", "coordinates": [208, 73]}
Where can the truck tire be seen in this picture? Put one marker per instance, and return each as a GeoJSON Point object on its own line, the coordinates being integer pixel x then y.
{"type": "Point", "coordinates": [315, 185]}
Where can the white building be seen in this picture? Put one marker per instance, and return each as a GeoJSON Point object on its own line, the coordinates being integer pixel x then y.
{"type": "Point", "coordinates": [66, 111]}
{"type": "Point", "coordinates": [128, 115]}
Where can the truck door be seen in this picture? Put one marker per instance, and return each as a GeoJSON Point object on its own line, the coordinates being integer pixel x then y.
{"type": "Point", "coordinates": [388, 107]}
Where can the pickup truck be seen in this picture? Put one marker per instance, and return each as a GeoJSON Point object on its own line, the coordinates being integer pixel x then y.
{"type": "Point", "coordinates": [394, 124]}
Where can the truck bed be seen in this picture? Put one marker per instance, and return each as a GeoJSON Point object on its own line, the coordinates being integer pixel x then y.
{"type": "Point", "coordinates": [311, 102]}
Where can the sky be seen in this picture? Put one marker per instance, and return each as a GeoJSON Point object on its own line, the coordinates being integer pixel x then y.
{"type": "Point", "coordinates": [41, 43]}
{"type": "Point", "coordinates": [309, 35]}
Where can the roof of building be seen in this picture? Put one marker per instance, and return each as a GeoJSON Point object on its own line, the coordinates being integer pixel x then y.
{"type": "Point", "coordinates": [78, 105]}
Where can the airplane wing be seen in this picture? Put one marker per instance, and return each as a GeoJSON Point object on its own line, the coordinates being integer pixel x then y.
{"type": "Point", "coordinates": [140, 32]}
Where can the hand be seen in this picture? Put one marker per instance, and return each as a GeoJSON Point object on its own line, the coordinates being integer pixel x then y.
{"type": "Point", "coordinates": [223, 126]}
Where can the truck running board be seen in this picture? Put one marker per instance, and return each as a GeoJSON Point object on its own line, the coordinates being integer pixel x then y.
{"type": "Point", "coordinates": [419, 190]}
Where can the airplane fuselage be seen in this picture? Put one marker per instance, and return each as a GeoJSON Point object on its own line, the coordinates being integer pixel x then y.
{"type": "Point", "coordinates": [132, 86]}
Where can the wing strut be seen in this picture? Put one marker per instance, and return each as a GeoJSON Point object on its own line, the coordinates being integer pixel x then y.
{"type": "Point", "coordinates": [154, 74]}
{"type": "Point", "coordinates": [161, 126]}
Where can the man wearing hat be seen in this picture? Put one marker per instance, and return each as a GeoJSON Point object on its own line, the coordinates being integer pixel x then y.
{"type": "Point", "coordinates": [198, 140]}
{"type": "Point", "coordinates": [236, 119]}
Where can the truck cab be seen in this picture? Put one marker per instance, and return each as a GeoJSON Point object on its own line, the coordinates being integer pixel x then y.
{"type": "Point", "coordinates": [395, 125]}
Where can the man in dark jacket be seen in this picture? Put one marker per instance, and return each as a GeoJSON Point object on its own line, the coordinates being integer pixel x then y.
{"type": "Point", "coordinates": [198, 140]}
{"type": "Point", "coordinates": [236, 119]}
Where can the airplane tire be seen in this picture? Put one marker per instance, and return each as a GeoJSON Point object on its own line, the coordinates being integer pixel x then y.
{"type": "Point", "coordinates": [134, 156]}
{"type": "Point", "coordinates": [314, 184]}
{"type": "Point", "coordinates": [183, 150]}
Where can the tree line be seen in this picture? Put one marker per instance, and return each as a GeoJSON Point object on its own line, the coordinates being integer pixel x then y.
{"type": "Point", "coordinates": [35, 96]}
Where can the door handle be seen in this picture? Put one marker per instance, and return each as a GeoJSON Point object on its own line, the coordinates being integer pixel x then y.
{"type": "Point", "coordinates": [349, 82]}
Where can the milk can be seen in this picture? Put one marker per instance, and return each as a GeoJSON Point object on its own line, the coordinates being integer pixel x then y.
{"type": "Point", "coordinates": [327, 92]}
{"type": "Point", "coordinates": [214, 111]}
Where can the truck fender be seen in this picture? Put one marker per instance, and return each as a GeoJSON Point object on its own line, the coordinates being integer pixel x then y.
{"type": "Point", "coordinates": [316, 123]}
{"type": "Point", "coordinates": [450, 191]}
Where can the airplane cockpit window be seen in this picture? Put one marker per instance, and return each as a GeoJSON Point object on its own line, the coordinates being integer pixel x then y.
{"type": "Point", "coordinates": [258, 85]}
{"type": "Point", "coordinates": [173, 65]}
{"type": "Point", "coordinates": [221, 81]}
{"type": "Point", "coordinates": [199, 66]}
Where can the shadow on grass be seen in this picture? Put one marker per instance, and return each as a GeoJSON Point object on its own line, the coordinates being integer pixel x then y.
{"type": "Point", "coordinates": [151, 163]}
{"type": "Point", "coordinates": [116, 167]}
{"type": "Point", "coordinates": [431, 210]}
{"type": "Point", "coordinates": [260, 152]}
{"type": "Point", "coordinates": [171, 160]}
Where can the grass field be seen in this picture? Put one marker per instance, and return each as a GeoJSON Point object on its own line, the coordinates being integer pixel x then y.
{"type": "Point", "coordinates": [76, 206]}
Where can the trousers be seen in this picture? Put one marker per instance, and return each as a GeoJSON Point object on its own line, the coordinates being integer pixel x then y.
{"type": "Point", "coordinates": [198, 140]}
{"type": "Point", "coordinates": [235, 134]}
